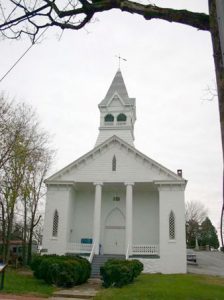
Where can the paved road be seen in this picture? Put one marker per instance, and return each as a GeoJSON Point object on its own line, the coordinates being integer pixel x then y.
{"type": "Point", "coordinates": [211, 263]}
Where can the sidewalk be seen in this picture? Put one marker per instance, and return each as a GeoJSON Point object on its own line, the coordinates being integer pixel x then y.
{"type": "Point", "coordinates": [15, 297]}
{"type": "Point", "coordinates": [85, 291]}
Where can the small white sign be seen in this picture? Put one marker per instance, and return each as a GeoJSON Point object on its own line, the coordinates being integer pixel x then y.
{"type": "Point", "coordinates": [2, 267]}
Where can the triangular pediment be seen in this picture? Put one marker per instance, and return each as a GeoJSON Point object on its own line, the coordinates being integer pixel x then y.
{"type": "Point", "coordinates": [116, 100]}
{"type": "Point", "coordinates": [131, 165]}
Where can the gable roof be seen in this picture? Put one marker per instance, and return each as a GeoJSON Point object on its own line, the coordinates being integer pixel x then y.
{"type": "Point", "coordinates": [117, 87]}
{"type": "Point", "coordinates": [114, 139]}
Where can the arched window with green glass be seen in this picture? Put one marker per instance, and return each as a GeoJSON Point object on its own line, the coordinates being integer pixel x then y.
{"type": "Point", "coordinates": [121, 118]}
{"type": "Point", "coordinates": [109, 118]}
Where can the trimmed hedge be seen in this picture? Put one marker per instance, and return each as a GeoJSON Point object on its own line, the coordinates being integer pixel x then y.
{"type": "Point", "coordinates": [120, 272]}
{"type": "Point", "coordinates": [63, 271]}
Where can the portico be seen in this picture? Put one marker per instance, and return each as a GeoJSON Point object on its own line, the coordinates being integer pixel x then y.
{"type": "Point", "coordinates": [119, 225]}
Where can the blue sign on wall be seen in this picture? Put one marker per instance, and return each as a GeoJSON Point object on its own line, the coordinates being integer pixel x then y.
{"type": "Point", "coordinates": [86, 241]}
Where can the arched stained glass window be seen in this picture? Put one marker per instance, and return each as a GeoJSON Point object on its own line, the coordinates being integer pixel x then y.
{"type": "Point", "coordinates": [171, 226]}
{"type": "Point", "coordinates": [109, 118]}
{"type": "Point", "coordinates": [55, 224]}
{"type": "Point", "coordinates": [114, 163]}
{"type": "Point", "coordinates": [121, 118]}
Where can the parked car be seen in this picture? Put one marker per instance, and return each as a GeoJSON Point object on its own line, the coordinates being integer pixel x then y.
{"type": "Point", "coordinates": [191, 256]}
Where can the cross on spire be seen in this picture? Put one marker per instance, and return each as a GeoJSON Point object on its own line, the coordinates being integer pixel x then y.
{"type": "Point", "coordinates": [119, 60]}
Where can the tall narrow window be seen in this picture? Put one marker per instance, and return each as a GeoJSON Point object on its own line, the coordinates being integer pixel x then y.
{"type": "Point", "coordinates": [55, 224]}
{"type": "Point", "coordinates": [114, 163]}
{"type": "Point", "coordinates": [171, 226]}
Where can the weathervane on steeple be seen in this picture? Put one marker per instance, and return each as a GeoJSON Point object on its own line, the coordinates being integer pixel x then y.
{"type": "Point", "coordinates": [119, 60]}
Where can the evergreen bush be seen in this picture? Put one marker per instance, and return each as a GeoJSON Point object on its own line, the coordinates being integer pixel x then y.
{"type": "Point", "coordinates": [137, 267]}
{"type": "Point", "coordinates": [86, 269]}
{"type": "Point", "coordinates": [120, 272]}
{"type": "Point", "coordinates": [63, 271]}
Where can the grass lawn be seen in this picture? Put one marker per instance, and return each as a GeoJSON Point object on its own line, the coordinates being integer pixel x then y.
{"type": "Point", "coordinates": [168, 287]}
{"type": "Point", "coordinates": [21, 282]}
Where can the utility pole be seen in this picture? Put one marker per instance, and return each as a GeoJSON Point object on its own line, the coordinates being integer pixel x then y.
{"type": "Point", "coordinates": [220, 21]}
{"type": "Point", "coordinates": [220, 17]}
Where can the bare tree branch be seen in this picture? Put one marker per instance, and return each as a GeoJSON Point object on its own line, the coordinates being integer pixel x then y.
{"type": "Point", "coordinates": [25, 19]}
{"type": "Point", "coordinates": [195, 211]}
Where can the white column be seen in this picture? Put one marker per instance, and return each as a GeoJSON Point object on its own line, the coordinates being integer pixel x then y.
{"type": "Point", "coordinates": [97, 215]}
{"type": "Point", "coordinates": [129, 216]}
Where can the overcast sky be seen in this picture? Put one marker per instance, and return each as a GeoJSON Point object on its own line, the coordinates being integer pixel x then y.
{"type": "Point", "coordinates": [168, 70]}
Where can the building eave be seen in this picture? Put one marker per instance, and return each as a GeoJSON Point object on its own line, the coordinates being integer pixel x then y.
{"type": "Point", "coordinates": [171, 182]}
{"type": "Point", "coordinates": [59, 182]}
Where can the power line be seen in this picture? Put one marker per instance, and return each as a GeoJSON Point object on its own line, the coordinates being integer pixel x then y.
{"type": "Point", "coordinates": [18, 60]}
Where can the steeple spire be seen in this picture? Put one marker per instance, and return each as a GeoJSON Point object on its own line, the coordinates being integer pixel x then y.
{"type": "Point", "coordinates": [117, 112]}
{"type": "Point", "coordinates": [117, 87]}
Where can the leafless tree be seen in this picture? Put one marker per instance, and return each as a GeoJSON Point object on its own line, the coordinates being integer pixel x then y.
{"type": "Point", "coordinates": [36, 191]}
{"type": "Point", "coordinates": [8, 131]}
{"type": "Point", "coordinates": [28, 161]}
{"type": "Point", "coordinates": [195, 214]}
{"type": "Point", "coordinates": [29, 17]}
{"type": "Point", "coordinates": [195, 210]}
{"type": "Point", "coordinates": [12, 170]}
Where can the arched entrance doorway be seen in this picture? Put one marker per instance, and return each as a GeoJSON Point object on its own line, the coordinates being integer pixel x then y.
{"type": "Point", "coordinates": [114, 233]}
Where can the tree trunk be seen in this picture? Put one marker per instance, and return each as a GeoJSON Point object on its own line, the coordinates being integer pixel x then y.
{"type": "Point", "coordinates": [24, 253]}
{"type": "Point", "coordinates": [8, 237]}
{"type": "Point", "coordinates": [29, 252]}
{"type": "Point", "coordinates": [3, 231]}
{"type": "Point", "coordinates": [219, 70]}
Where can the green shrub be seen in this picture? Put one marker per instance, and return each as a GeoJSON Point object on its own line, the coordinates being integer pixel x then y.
{"type": "Point", "coordinates": [86, 269]}
{"type": "Point", "coordinates": [43, 270]}
{"type": "Point", "coordinates": [63, 271]}
{"type": "Point", "coordinates": [137, 267]}
{"type": "Point", "coordinates": [120, 272]}
{"type": "Point", "coordinates": [37, 259]}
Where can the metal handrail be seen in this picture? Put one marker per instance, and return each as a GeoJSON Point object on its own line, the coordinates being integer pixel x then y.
{"type": "Point", "coordinates": [92, 253]}
{"type": "Point", "coordinates": [127, 253]}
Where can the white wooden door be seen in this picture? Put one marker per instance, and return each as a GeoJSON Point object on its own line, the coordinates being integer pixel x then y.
{"type": "Point", "coordinates": [114, 242]}
{"type": "Point", "coordinates": [114, 233]}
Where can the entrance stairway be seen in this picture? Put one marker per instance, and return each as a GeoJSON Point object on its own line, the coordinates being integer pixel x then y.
{"type": "Point", "coordinates": [99, 260]}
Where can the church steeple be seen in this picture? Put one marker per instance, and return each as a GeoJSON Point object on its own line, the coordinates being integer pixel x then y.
{"type": "Point", "coordinates": [117, 86]}
{"type": "Point", "coordinates": [117, 112]}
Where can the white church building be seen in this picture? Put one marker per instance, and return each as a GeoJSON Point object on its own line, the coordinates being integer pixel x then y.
{"type": "Point", "coordinates": [115, 199]}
